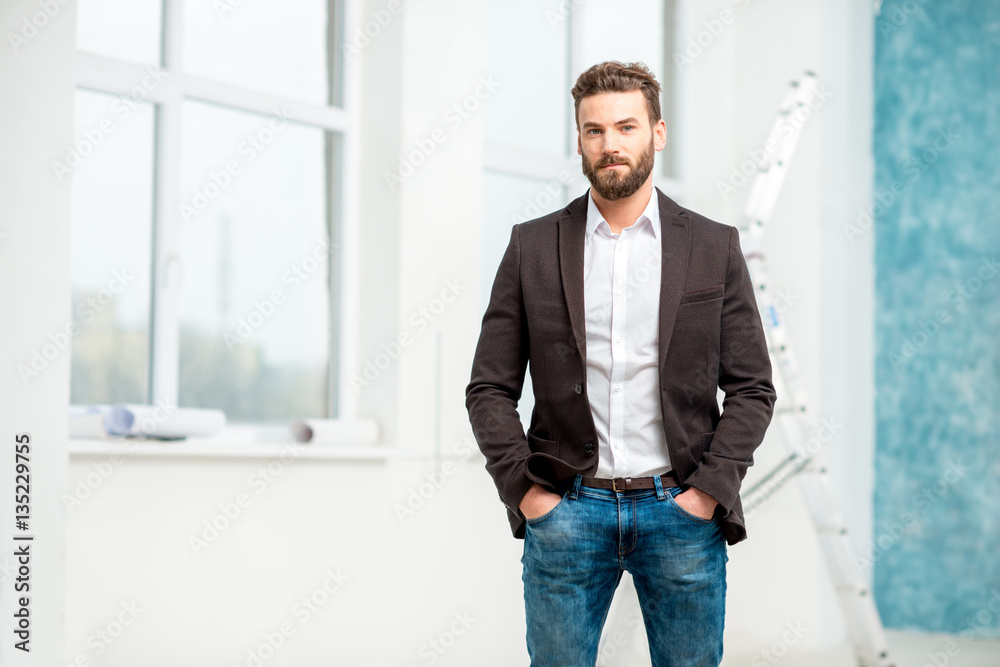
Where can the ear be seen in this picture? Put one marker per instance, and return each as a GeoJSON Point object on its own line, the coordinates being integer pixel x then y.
{"type": "Point", "coordinates": [660, 135]}
{"type": "Point", "coordinates": [579, 147]}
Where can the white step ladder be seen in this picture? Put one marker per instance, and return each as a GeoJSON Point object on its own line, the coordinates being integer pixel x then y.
{"type": "Point", "coordinates": [853, 593]}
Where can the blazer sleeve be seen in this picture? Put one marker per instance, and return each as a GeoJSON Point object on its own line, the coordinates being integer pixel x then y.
{"type": "Point", "coordinates": [497, 380]}
{"type": "Point", "coordinates": [745, 377]}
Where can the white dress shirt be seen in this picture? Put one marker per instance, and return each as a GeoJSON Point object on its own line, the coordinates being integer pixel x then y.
{"type": "Point", "coordinates": [621, 283]}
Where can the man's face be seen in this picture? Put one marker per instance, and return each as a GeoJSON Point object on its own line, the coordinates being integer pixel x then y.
{"type": "Point", "coordinates": [617, 142]}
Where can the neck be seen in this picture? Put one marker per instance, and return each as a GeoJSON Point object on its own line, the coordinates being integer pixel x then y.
{"type": "Point", "coordinates": [622, 213]}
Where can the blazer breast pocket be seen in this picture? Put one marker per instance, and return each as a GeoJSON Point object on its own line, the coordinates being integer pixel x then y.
{"type": "Point", "coordinates": [705, 294]}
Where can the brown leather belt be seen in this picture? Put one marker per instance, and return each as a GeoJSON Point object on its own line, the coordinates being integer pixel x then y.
{"type": "Point", "coordinates": [667, 479]}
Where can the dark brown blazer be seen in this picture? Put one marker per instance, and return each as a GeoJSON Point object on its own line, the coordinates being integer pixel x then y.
{"type": "Point", "coordinates": [710, 337]}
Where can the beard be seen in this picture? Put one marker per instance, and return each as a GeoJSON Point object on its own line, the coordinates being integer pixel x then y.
{"type": "Point", "coordinates": [614, 185]}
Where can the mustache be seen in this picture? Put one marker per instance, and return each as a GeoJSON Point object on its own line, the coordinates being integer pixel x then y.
{"type": "Point", "coordinates": [604, 162]}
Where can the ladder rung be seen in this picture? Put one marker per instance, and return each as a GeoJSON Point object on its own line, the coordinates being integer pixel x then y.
{"type": "Point", "coordinates": [853, 589]}
{"type": "Point", "coordinates": [831, 529]}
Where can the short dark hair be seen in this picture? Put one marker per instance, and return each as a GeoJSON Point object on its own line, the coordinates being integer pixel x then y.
{"type": "Point", "coordinates": [616, 77]}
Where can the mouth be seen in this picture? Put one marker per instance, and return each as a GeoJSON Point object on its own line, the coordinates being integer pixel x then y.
{"type": "Point", "coordinates": [612, 166]}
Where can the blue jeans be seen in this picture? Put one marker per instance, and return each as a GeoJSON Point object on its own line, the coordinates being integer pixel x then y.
{"type": "Point", "coordinates": [574, 557]}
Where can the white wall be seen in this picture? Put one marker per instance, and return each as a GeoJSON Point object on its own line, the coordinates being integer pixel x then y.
{"type": "Point", "coordinates": [36, 126]}
{"type": "Point", "coordinates": [406, 581]}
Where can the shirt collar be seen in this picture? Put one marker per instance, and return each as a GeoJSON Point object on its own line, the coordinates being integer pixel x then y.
{"type": "Point", "coordinates": [650, 213]}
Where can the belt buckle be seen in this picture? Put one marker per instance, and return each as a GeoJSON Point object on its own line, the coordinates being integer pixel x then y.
{"type": "Point", "coordinates": [614, 483]}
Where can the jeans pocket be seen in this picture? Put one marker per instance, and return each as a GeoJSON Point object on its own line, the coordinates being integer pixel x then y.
{"type": "Point", "coordinates": [538, 519]}
{"type": "Point", "coordinates": [670, 496]}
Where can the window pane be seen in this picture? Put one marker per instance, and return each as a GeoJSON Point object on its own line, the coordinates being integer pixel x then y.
{"type": "Point", "coordinates": [529, 108]}
{"type": "Point", "coordinates": [255, 301]}
{"type": "Point", "coordinates": [124, 29]}
{"type": "Point", "coordinates": [112, 170]}
{"type": "Point", "coordinates": [272, 47]}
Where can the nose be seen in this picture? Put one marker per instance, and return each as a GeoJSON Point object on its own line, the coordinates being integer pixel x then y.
{"type": "Point", "coordinates": [610, 146]}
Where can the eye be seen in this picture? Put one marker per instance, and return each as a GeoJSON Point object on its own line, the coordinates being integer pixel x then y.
{"type": "Point", "coordinates": [628, 127]}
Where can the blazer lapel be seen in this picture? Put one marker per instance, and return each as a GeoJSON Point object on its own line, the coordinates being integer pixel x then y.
{"type": "Point", "coordinates": [572, 230]}
{"type": "Point", "coordinates": [675, 239]}
{"type": "Point", "coordinates": [675, 228]}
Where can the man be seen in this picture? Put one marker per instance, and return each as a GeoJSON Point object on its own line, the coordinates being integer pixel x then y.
{"type": "Point", "coordinates": [632, 311]}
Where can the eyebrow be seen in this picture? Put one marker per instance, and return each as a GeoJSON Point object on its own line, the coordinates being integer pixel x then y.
{"type": "Point", "coordinates": [625, 121]}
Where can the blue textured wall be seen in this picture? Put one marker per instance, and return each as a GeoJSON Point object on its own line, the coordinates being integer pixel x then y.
{"type": "Point", "coordinates": [937, 237]}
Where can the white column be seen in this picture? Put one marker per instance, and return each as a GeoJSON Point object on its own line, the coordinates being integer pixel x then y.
{"type": "Point", "coordinates": [37, 75]}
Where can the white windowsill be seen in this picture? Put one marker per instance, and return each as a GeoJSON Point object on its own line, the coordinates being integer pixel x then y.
{"type": "Point", "coordinates": [237, 441]}
{"type": "Point", "coordinates": [193, 448]}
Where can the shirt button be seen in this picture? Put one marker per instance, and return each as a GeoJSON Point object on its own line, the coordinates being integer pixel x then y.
{"type": "Point", "coordinates": [588, 447]}
{"type": "Point", "coordinates": [578, 388]}
{"type": "Point", "coordinates": [618, 387]}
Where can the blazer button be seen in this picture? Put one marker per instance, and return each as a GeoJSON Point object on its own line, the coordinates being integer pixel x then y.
{"type": "Point", "coordinates": [588, 447]}
{"type": "Point", "coordinates": [578, 388]}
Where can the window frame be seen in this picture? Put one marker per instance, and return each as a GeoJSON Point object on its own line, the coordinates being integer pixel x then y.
{"type": "Point", "coordinates": [103, 74]}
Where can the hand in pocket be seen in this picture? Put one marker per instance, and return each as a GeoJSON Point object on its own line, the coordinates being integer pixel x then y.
{"type": "Point", "coordinates": [538, 501]}
{"type": "Point", "coordinates": [696, 503]}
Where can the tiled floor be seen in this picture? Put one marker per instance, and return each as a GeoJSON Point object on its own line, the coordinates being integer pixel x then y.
{"type": "Point", "coordinates": [906, 650]}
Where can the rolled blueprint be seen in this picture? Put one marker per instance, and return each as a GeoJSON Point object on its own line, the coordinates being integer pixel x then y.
{"type": "Point", "coordinates": [161, 421]}
{"type": "Point", "coordinates": [355, 431]}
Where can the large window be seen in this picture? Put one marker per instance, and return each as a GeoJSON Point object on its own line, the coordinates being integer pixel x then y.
{"type": "Point", "coordinates": [207, 208]}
